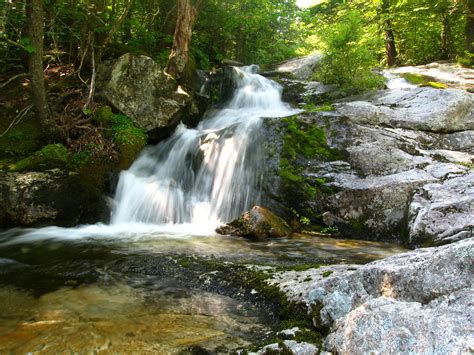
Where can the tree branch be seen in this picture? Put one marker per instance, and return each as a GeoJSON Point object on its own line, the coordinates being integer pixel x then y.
{"type": "Point", "coordinates": [114, 29]}
{"type": "Point", "coordinates": [13, 78]}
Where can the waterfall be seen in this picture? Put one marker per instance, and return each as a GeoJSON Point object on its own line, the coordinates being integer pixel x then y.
{"type": "Point", "coordinates": [207, 175]}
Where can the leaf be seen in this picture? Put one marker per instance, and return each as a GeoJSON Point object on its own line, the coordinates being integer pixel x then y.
{"type": "Point", "coordinates": [27, 46]}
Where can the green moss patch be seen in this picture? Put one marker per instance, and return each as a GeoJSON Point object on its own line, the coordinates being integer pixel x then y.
{"type": "Point", "coordinates": [423, 80]}
{"type": "Point", "coordinates": [50, 156]}
{"type": "Point", "coordinates": [129, 140]}
{"type": "Point", "coordinates": [22, 139]}
{"type": "Point", "coordinates": [303, 141]}
{"type": "Point", "coordinates": [311, 107]}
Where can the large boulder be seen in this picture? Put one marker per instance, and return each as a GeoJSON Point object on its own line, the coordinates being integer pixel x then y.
{"type": "Point", "coordinates": [51, 197]}
{"type": "Point", "coordinates": [416, 302]}
{"type": "Point", "coordinates": [138, 87]}
{"type": "Point", "coordinates": [257, 223]}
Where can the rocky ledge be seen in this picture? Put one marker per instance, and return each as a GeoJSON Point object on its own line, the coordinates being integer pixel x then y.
{"type": "Point", "coordinates": [395, 164]}
{"type": "Point", "coordinates": [47, 197]}
{"type": "Point", "coordinates": [416, 302]}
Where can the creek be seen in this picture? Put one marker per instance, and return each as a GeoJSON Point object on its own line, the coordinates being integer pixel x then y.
{"type": "Point", "coordinates": [129, 285]}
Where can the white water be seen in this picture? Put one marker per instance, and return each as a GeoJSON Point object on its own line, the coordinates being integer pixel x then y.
{"type": "Point", "coordinates": [208, 175]}
{"type": "Point", "coordinates": [194, 181]}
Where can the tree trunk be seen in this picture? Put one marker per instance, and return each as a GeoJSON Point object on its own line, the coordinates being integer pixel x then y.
{"type": "Point", "coordinates": [446, 44]}
{"type": "Point", "coordinates": [469, 30]}
{"type": "Point", "coordinates": [390, 47]}
{"type": "Point", "coordinates": [35, 25]}
{"type": "Point", "coordinates": [178, 59]}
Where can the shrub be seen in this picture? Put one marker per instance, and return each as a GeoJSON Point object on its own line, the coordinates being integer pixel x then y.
{"type": "Point", "coordinates": [348, 59]}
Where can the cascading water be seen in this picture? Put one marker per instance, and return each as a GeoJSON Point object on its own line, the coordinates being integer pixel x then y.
{"type": "Point", "coordinates": [206, 175]}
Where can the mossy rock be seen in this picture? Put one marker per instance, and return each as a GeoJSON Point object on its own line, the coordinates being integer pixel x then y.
{"type": "Point", "coordinates": [49, 157]}
{"type": "Point", "coordinates": [22, 139]}
{"type": "Point", "coordinates": [258, 223]}
{"type": "Point", "coordinates": [423, 80]}
{"type": "Point", "coordinates": [104, 116]}
{"type": "Point", "coordinates": [128, 139]}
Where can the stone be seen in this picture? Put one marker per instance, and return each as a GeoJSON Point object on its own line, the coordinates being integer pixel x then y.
{"type": "Point", "coordinates": [139, 88]}
{"type": "Point", "coordinates": [257, 223]}
{"type": "Point", "coordinates": [44, 198]}
{"type": "Point", "coordinates": [367, 192]}
{"type": "Point", "coordinates": [443, 212]}
{"type": "Point", "coordinates": [426, 109]}
{"type": "Point", "coordinates": [387, 326]}
{"type": "Point", "coordinates": [297, 348]}
{"type": "Point", "coordinates": [416, 302]}
{"type": "Point", "coordinates": [299, 68]}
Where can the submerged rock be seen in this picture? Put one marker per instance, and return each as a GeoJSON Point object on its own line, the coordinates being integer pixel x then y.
{"type": "Point", "coordinates": [138, 87]}
{"type": "Point", "coordinates": [257, 223]}
{"type": "Point", "coordinates": [416, 302]}
{"type": "Point", "coordinates": [51, 197]}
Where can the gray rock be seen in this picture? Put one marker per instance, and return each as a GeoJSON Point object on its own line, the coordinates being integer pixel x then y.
{"type": "Point", "coordinates": [138, 87]}
{"type": "Point", "coordinates": [368, 193]}
{"type": "Point", "coordinates": [300, 68]}
{"type": "Point", "coordinates": [426, 109]}
{"type": "Point", "coordinates": [44, 198]}
{"type": "Point", "coordinates": [294, 346]}
{"type": "Point", "coordinates": [417, 302]}
{"type": "Point", "coordinates": [387, 326]}
{"type": "Point", "coordinates": [443, 212]}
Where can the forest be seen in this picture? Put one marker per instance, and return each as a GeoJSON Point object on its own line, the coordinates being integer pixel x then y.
{"type": "Point", "coordinates": [43, 40]}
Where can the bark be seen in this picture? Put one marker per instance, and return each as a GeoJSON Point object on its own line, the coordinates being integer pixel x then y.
{"type": "Point", "coordinates": [35, 26]}
{"type": "Point", "coordinates": [390, 46]}
{"type": "Point", "coordinates": [178, 59]}
{"type": "Point", "coordinates": [469, 30]}
{"type": "Point", "coordinates": [446, 44]}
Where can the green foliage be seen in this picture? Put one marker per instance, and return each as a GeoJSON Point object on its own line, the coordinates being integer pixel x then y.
{"type": "Point", "coordinates": [348, 60]}
{"type": "Point", "coordinates": [330, 230]}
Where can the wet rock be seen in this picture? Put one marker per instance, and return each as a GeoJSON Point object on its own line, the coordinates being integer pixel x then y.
{"type": "Point", "coordinates": [416, 302]}
{"type": "Point", "coordinates": [426, 109]}
{"type": "Point", "coordinates": [44, 198]}
{"type": "Point", "coordinates": [443, 212]}
{"type": "Point", "coordinates": [257, 223]}
{"type": "Point", "coordinates": [138, 87]}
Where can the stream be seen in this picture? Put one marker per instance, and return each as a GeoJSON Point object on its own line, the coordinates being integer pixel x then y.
{"type": "Point", "coordinates": [137, 285]}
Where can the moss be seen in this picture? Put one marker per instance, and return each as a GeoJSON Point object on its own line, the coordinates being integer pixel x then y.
{"type": "Point", "coordinates": [104, 116]}
{"type": "Point", "coordinates": [22, 139]}
{"type": "Point", "coordinates": [311, 107]}
{"type": "Point", "coordinates": [357, 224]}
{"type": "Point", "coordinates": [50, 156]}
{"type": "Point", "coordinates": [423, 80]}
{"type": "Point", "coordinates": [129, 140]}
{"type": "Point", "coordinates": [327, 273]}
{"type": "Point", "coordinates": [301, 141]}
